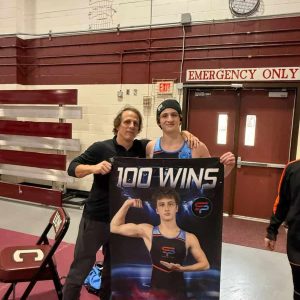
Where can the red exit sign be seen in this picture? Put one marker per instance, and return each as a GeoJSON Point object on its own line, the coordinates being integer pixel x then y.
{"type": "Point", "coordinates": [165, 87]}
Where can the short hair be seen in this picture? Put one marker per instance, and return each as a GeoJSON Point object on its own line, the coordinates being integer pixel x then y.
{"type": "Point", "coordinates": [165, 192]}
{"type": "Point", "coordinates": [118, 118]}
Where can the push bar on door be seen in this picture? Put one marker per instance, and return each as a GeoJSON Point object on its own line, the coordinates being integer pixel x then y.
{"type": "Point", "coordinates": [257, 164]}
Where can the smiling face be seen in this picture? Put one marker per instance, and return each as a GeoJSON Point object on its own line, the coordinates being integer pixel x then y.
{"type": "Point", "coordinates": [169, 120]}
{"type": "Point", "coordinates": [166, 208]}
{"type": "Point", "coordinates": [129, 127]}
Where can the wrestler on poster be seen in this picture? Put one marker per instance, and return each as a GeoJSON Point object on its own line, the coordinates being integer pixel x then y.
{"type": "Point", "coordinates": [166, 228]}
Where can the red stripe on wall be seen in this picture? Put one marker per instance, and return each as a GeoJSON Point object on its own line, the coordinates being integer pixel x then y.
{"type": "Point", "coordinates": [33, 159]}
{"type": "Point", "coordinates": [30, 193]}
{"type": "Point", "coordinates": [46, 129]}
{"type": "Point", "coordinates": [38, 97]}
{"type": "Point", "coordinates": [139, 56]}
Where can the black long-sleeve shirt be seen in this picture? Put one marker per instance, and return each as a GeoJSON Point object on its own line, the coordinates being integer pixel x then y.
{"type": "Point", "coordinates": [97, 205]}
{"type": "Point", "coordinates": [287, 208]}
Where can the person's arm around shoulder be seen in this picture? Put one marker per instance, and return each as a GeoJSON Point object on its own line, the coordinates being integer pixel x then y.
{"type": "Point", "coordinates": [118, 225]}
{"type": "Point", "coordinates": [200, 151]}
{"type": "Point", "coordinates": [191, 139]}
{"type": "Point", "coordinates": [150, 149]}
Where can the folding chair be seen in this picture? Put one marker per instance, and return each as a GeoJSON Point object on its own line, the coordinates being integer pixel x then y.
{"type": "Point", "coordinates": [33, 263]}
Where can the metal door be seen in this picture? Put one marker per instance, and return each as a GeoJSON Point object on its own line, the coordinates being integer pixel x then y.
{"type": "Point", "coordinates": [204, 109]}
{"type": "Point", "coordinates": [262, 117]}
{"type": "Point", "coordinates": [259, 166]}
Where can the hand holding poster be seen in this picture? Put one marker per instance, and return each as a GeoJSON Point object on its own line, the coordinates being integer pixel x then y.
{"type": "Point", "coordinates": [166, 225]}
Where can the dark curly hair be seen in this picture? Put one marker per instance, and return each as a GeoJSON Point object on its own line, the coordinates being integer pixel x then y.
{"type": "Point", "coordinates": [118, 118]}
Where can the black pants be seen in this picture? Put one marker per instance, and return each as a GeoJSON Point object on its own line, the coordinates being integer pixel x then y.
{"type": "Point", "coordinates": [91, 236]}
{"type": "Point", "coordinates": [296, 280]}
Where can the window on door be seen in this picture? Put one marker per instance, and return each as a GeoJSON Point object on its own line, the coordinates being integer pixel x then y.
{"type": "Point", "coordinates": [250, 130]}
{"type": "Point", "coordinates": [222, 129]}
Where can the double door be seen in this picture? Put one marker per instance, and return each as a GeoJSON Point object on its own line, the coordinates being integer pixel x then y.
{"type": "Point", "coordinates": [254, 124]}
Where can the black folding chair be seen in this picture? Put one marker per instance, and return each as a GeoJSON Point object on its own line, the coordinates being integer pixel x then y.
{"type": "Point", "coordinates": [32, 263]}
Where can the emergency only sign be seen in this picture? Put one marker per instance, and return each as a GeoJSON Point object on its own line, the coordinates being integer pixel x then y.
{"type": "Point", "coordinates": [243, 74]}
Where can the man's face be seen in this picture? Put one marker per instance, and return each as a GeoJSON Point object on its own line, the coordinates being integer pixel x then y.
{"type": "Point", "coordinates": [129, 126]}
{"type": "Point", "coordinates": [169, 120]}
{"type": "Point", "coordinates": [166, 208]}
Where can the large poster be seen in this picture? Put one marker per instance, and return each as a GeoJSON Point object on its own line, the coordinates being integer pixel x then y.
{"type": "Point", "coordinates": [172, 224]}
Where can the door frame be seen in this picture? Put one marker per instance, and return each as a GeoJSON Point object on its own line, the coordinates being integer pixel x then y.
{"type": "Point", "coordinates": [259, 85]}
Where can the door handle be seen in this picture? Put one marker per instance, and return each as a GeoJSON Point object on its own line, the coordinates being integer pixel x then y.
{"type": "Point", "coordinates": [241, 163]}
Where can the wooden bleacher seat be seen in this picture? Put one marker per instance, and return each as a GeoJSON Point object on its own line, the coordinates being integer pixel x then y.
{"type": "Point", "coordinates": [36, 150]}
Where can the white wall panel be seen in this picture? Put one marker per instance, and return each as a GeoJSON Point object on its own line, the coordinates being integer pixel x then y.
{"type": "Point", "coordinates": [139, 12]}
{"type": "Point", "coordinates": [40, 16]}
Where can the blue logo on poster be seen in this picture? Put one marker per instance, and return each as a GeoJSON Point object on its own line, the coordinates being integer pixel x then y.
{"type": "Point", "coordinates": [202, 207]}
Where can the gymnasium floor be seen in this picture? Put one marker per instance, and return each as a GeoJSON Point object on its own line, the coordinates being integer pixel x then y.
{"type": "Point", "coordinates": [247, 273]}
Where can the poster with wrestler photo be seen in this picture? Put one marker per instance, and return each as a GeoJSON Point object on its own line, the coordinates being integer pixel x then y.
{"type": "Point", "coordinates": [166, 225]}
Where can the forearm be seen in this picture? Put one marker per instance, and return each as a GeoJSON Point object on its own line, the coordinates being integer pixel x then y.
{"type": "Point", "coordinates": [272, 229]}
{"type": "Point", "coordinates": [281, 205]}
{"type": "Point", "coordinates": [227, 170]}
{"type": "Point", "coordinates": [86, 163]}
{"type": "Point", "coordinates": [83, 170]}
{"type": "Point", "coordinates": [199, 266]}
{"type": "Point", "coordinates": [81, 166]}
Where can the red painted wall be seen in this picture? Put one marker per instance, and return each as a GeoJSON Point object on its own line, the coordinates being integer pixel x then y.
{"type": "Point", "coordinates": [143, 55]}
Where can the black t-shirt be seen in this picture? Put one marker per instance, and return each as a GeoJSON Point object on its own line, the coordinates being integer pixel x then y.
{"type": "Point", "coordinates": [97, 205]}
